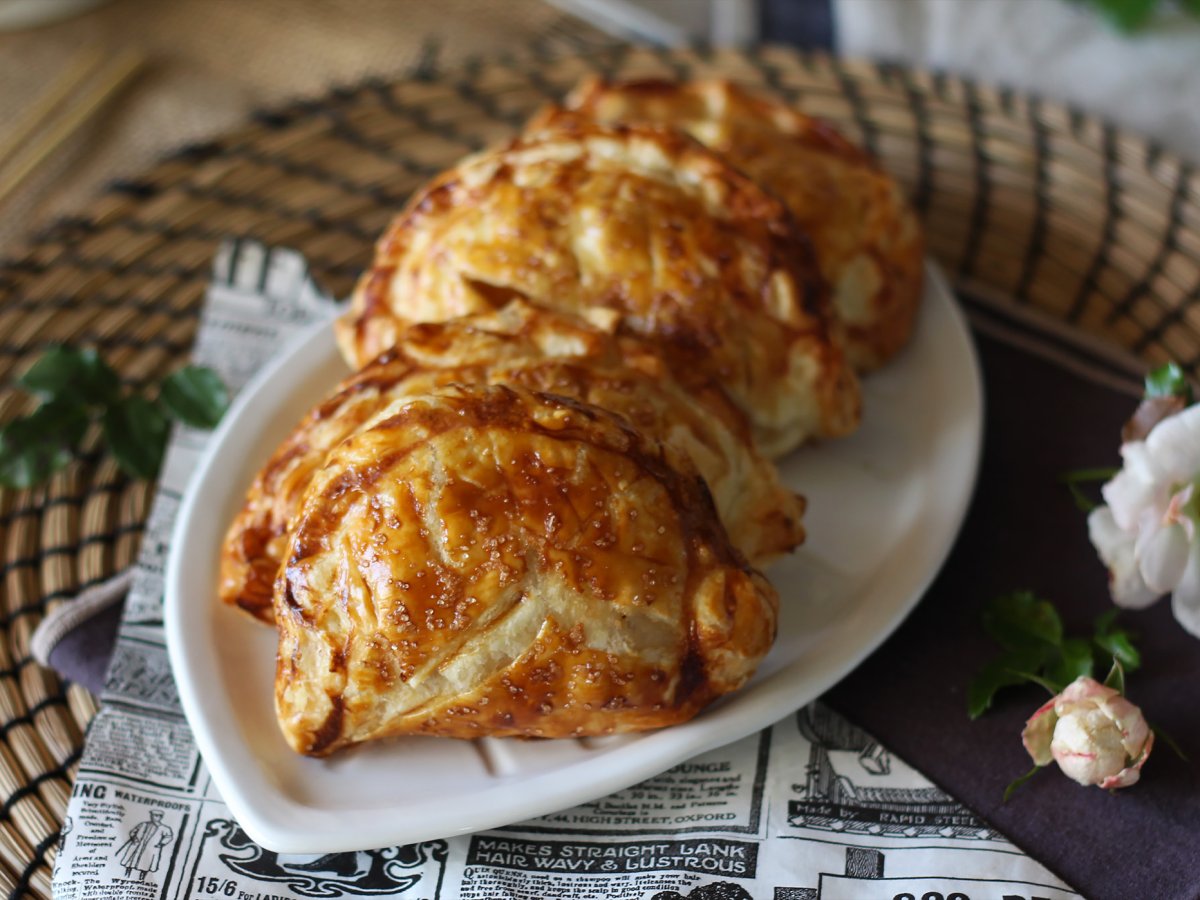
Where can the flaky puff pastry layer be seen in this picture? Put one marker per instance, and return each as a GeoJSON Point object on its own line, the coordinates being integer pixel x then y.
{"type": "Point", "coordinates": [540, 350]}
{"type": "Point", "coordinates": [495, 560]}
{"type": "Point", "coordinates": [646, 222]}
{"type": "Point", "coordinates": [868, 242]}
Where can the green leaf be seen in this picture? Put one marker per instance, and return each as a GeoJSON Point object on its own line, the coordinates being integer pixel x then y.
{"type": "Point", "coordinates": [1191, 7]}
{"type": "Point", "coordinates": [1007, 671]}
{"type": "Point", "coordinates": [136, 431]}
{"type": "Point", "coordinates": [983, 687]}
{"type": "Point", "coordinates": [1020, 621]}
{"type": "Point", "coordinates": [195, 396]}
{"type": "Point", "coordinates": [1161, 735]}
{"type": "Point", "coordinates": [72, 374]}
{"type": "Point", "coordinates": [34, 447]}
{"type": "Point", "coordinates": [1083, 502]}
{"type": "Point", "coordinates": [1116, 677]}
{"type": "Point", "coordinates": [1126, 15]}
{"type": "Point", "coordinates": [1104, 621]}
{"type": "Point", "coordinates": [28, 467]}
{"type": "Point", "coordinates": [1047, 685]}
{"type": "Point", "coordinates": [1077, 477]}
{"type": "Point", "coordinates": [1119, 645]}
{"type": "Point", "coordinates": [1168, 381]}
{"type": "Point", "coordinates": [1116, 642]}
{"type": "Point", "coordinates": [60, 421]}
{"type": "Point", "coordinates": [1074, 659]}
{"type": "Point", "coordinates": [1011, 789]}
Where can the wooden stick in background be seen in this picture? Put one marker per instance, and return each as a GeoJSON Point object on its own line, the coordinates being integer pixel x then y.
{"type": "Point", "coordinates": [107, 83]}
{"type": "Point", "coordinates": [66, 84]}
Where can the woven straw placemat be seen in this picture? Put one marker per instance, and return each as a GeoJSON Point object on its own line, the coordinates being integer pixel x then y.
{"type": "Point", "coordinates": [1028, 202]}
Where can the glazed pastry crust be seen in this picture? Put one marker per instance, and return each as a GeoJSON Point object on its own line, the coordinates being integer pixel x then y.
{"type": "Point", "coordinates": [495, 560]}
{"type": "Point", "coordinates": [642, 222]}
{"type": "Point", "coordinates": [868, 242]}
{"type": "Point", "coordinates": [539, 350]}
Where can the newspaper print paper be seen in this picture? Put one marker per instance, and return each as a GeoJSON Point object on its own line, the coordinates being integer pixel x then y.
{"type": "Point", "coordinates": [809, 809]}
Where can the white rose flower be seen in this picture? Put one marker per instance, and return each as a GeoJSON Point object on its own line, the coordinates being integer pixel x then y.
{"type": "Point", "coordinates": [1147, 533]}
{"type": "Point", "coordinates": [1094, 734]}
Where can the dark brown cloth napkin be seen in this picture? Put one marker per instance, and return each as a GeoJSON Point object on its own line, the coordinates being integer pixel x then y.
{"type": "Point", "coordinates": [1023, 531]}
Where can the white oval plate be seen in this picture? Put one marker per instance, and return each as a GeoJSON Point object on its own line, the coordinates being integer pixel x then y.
{"type": "Point", "coordinates": [884, 509]}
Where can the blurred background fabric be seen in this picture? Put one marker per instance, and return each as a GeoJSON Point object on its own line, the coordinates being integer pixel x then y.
{"type": "Point", "coordinates": [1146, 80]}
{"type": "Point", "coordinates": [211, 63]}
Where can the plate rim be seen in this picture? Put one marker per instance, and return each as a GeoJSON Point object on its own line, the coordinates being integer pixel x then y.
{"type": "Point", "coordinates": [282, 824]}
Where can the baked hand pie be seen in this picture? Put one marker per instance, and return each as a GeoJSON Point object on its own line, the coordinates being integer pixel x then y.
{"type": "Point", "coordinates": [486, 559]}
{"type": "Point", "coordinates": [646, 223]}
{"type": "Point", "coordinates": [867, 240]}
{"type": "Point", "coordinates": [536, 349]}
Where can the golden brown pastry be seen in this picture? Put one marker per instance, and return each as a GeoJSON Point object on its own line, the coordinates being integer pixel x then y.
{"type": "Point", "coordinates": [535, 508]}
{"type": "Point", "coordinates": [867, 240]}
{"type": "Point", "coordinates": [495, 560]}
{"type": "Point", "coordinates": [540, 350]}
{"type": "Point", "coordinates": [689, 254]}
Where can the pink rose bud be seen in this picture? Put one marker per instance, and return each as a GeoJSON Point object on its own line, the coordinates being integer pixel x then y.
{"type": "Point", "coordinates": [1094, 734]}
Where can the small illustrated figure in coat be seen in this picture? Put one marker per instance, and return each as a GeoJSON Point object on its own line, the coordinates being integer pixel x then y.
{"type": "Point", "coordinates": [144, 848]}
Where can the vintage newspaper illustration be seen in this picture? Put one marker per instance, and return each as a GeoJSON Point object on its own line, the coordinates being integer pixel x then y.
{"type": "Point", "coordinates": [811, 808]}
